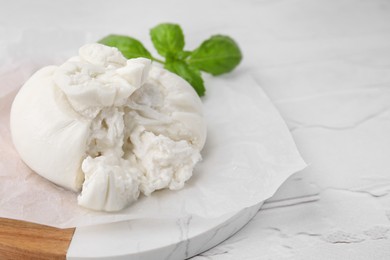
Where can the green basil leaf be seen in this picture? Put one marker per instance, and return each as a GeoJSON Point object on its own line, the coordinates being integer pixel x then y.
{"type": "Point", "coordinates": [217, 55]}
{"type": "Point", "coordinates": [130, 47]}
{"type": "Point", "coordinates": [167, 38]}
{"type": "Point", "coordinates": [190, 74]}
{"type": "Point", "coordinates": [182, 55]}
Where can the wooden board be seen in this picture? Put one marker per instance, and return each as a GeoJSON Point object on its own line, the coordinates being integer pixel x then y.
{"type": "Point", "coordinates": [24, 240]}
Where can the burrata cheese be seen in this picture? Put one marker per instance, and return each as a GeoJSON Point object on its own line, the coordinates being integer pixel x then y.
{"type": "Point", "coordinates": [108, 127]}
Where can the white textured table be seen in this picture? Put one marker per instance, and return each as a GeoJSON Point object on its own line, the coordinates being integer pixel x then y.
{"type": "Point", "coordinates": [325, 65]}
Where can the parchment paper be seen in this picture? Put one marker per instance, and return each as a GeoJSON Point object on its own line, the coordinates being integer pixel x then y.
{"type": "Point", "coordinates": [249, 153]}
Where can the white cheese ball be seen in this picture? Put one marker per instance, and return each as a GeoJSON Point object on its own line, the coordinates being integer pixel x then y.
{"type": "Point", "coordinates": [108, 127]}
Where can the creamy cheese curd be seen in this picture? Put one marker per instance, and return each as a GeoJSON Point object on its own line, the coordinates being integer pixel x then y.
{"type": "Point", "coordinates": [109, 127]}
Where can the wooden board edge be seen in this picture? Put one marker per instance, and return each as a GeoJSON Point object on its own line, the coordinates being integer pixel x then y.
{"type": "Point", "coordinates": [25, 240]}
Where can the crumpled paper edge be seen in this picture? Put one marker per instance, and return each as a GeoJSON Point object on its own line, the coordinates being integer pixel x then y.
{"type": "Point", "coordinates": [215, 86]}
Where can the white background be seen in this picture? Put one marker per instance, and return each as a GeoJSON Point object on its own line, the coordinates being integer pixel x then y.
{"type": "Point", "coordinates": [326, 66]}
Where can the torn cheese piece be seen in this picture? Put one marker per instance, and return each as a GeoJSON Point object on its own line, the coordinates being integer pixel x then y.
{"type": "Point", "coordinates": [109, 127]}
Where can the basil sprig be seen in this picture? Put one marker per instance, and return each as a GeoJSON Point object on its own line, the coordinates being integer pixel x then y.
{"type": "Point", "coordinates": [217, 55]}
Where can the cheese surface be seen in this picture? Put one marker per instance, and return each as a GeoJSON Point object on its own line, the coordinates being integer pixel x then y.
{"type": "Point", "coordinates": [108, 127]}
